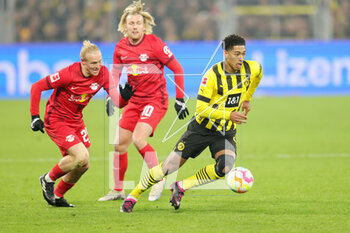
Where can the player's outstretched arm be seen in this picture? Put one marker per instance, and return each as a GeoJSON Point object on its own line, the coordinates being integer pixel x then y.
{"type": "Point", "coordinates": [35, 96]}
{"type": "Point", "coordinates": [180, 106]}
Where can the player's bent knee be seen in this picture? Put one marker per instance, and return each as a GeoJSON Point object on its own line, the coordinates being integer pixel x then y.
{"type": "Point", "coordinates": [139, 142]}
{"type": "Point", "coordinates": [120, 148]}
{"type": "Point", "coordinates": [86, 166]}
{"type": "Point", "coordinates": [82, 160]}
{"type": "Point", "coordinates": [81, 163]}
{"type": "Point", "coordinates": [224, 163]}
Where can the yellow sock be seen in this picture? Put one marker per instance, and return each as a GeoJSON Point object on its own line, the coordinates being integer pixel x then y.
{"type": "Point", "coordinates": [203, 176]}
{"type": "Point", "coordinates": [153, 176]}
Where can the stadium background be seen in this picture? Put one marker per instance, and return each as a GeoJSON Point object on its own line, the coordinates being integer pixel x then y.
{"type": "Point", "coordinates": [300, 43]}
{"type": "Point", "coordinates": [296, 142]}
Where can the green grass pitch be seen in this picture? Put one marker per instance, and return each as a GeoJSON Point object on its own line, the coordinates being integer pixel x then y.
{"type": "Point", "coordinates": [297, 149]}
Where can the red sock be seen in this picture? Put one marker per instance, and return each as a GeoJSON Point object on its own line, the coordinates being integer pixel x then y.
{"type": "Point", "coordinates": [149, 155]}
{"type": "Point", "coordinates": [56, 173]}
{"type": "Point", "coordinates": [62, 188]}
{"type": "Point", "coordinates": [120, 164]}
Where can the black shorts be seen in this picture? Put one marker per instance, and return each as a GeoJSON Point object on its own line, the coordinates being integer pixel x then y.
{"type": "Point", "coordinates": [197, 138]}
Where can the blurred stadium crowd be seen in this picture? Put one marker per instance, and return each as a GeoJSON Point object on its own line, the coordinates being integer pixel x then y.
{"type": "Point", "coordinates": [97, 20]}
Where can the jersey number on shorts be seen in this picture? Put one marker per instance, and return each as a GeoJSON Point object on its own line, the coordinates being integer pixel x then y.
{"type": "Point", "coordinates": [147, 111]}
{"type": "Point", "coordinates": [85, 135]}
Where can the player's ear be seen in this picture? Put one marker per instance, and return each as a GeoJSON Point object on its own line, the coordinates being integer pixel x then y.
{"type": "Point", "coordinates": [225, 53]}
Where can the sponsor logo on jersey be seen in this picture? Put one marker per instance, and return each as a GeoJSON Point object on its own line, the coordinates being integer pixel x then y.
{"type": "Point", "coordinates": [79, 98]}
{"type": "Point", "coordinates": [70, 138]}
{"type": "Point", "coordinates": [94, 86]}
{"type": "Point", "coordinates": [204, 81]}
{"type": "Point", "coordinates": [233, 100]}
{"type": "Point", "coordinates": [143, 57]}
{"type": "Point", "coordinates": [135, 70]}
{"type": "Point", "coordinates": [54, 77]}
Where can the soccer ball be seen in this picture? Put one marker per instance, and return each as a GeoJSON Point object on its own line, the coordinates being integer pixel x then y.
{"type": "Point", "coordinates": [240, 180]}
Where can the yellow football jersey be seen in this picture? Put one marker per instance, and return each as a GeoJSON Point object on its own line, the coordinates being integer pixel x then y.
{"type": "Point", "coordinates": [221, 93]}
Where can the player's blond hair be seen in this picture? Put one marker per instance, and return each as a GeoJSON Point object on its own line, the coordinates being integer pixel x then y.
{"type": "Point", "coordinates": [88, 47]}
{"type": "Point", "coordinates": [136, 7]}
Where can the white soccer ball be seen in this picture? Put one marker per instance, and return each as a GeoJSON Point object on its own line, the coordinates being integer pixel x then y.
{"type": "Point", "coordinates": [240, 180]}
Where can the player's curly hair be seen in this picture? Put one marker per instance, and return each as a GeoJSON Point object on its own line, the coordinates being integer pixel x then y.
{"type": "Point", "coordinates": [136, 7]}
{"type": "Point", "coordinates": [232, 40]}
{"type": "Point", "coordinates": [87, 48]}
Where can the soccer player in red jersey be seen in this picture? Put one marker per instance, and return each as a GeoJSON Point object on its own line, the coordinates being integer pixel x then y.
{"type": "Point", "coordinates": [73, 86]}
{"type": "Point", "coordinates": [144, 56]}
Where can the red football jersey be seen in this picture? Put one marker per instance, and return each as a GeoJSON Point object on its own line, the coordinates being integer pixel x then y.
{"type": "Point", "coordinates": [73, 91]}
{"type": "Point", "coordinates": [144, 64]}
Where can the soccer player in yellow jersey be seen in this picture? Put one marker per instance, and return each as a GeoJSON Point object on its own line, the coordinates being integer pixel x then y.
{"type": "Point", "coordinates": [226, 88]}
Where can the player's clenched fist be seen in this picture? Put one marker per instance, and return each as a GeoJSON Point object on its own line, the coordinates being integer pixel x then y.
{"type": "Point", "coordinates": [37, 124]}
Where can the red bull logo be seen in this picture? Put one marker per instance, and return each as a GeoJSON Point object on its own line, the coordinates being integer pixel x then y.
{"type": "Point", "coordinates": [135, 70]}
{"type": "Point", "coordinates": [80, 98]}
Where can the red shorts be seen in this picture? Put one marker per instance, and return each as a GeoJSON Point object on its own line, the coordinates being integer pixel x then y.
{"type": "Point", "coordinates": [150, 113]}
{"type": "Point", "coordinates": [66, 135]}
